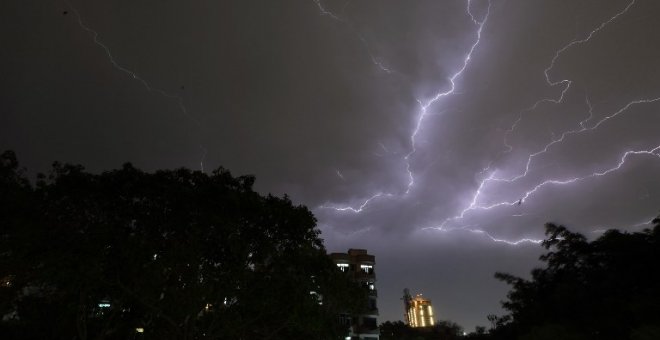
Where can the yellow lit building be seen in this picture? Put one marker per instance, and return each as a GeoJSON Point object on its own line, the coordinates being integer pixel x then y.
{"type": "Point", "coordinates": [419, 311]}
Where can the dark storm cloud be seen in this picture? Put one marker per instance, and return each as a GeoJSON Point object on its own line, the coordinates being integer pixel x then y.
{"type": "Point", "coordinates": [323, 106]}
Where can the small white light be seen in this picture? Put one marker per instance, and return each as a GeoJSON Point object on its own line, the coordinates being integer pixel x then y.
{"type": "Point", "coordinates": [139, 330]}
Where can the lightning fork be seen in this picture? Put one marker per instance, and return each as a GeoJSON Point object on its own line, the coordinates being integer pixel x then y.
{"type": "Point", "coordinates": [180, 102]}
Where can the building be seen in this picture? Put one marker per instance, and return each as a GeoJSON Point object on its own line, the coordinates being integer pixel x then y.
{"type": "Point", "coordinates": [360, 266]}
{"type": "Point", "coordinates": [418, 310]}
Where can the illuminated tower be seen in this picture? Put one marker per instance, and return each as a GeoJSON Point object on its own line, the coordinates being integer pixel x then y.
{"type": "Point", "coordinates": [360, 267]}
{"type": "Point", "coordinates": [419, 312]}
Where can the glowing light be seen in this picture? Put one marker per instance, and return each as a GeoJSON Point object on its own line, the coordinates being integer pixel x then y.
{"type": "Point", "coordinates": [419, 312]}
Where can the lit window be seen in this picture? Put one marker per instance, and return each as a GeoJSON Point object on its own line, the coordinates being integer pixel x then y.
{"type": "Point", "coordinates": [7, 280]}
{"type": "Point", "coordinates": [367, 268]}
{"type": "Point", "coordinates": [343, 266]}
{"type": "Point", "coordinates": [139, 330]}
{"type": "Point", "coordinates": [319, 297]}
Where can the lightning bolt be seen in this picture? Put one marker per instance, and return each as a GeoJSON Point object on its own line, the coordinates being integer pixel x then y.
{"type": "Point", "coordinates": [362, 206]}
{"type": "Point", "coordinates": [622, 161]}
{"type": "Point", "coordinates": [201, 161]}
{"type": "Point", "coordinates": [422, 114]}
{"type": "Point", "coordinates": [424, 106]}
{"type": "Point", "coordinates": [115, 64]}
{"type": "Point", "coordinates": [646, 222]}
{"type": "Point", "coordinates": [566, 82]}
{"type": "Point", "coordinates": [374, 60]}
{"type": "Point", "coordinates": [325, 12]}
{"type": "Point", "coordinates": [485, 234]}
{"type": "Point", "coordinates": [382, 146]}
{"type": "Point", "coordinates": [500, 240]}
{"type": "Point", "coordinates": [655, 152]}
{"type": "Point", "coordinates": [583, 126]}
{"type": "Point", "coordinates": [469, 12]}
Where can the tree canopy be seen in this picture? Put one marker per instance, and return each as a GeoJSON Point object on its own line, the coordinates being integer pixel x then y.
{"type": "Point", "coordinates": [442, 330]}
{"type": "Point", "coordinates": [175, 254]}
{"type": "Point", "coordinates": [607, 288]}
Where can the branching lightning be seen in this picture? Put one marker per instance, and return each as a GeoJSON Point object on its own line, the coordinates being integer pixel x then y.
{"type": "Point", "coordinates": [622, 161]}
{"type": "Point", "coordinates": [487, 175]}
{"type": "Point", "coordinates": [115, 64]}
{"type": "Point", "coordinates": [424, 106]}
{"type": "Point", "coordinates": [471, 229]}
{"type": "Point", "coordinates": [362, 206]}
{"type": "Point", "coordinates": [583, 128]}
{"type": "Point", "coordinates": [490, 171]}
{"type": "Point", "coordinates": [325, 12]}
{"type": "Point", "coordinates": [374, 60]}
{"type": "Point", "coordinates": [654, 152]}
{"type": "Point", "coordinates": [566, 82]}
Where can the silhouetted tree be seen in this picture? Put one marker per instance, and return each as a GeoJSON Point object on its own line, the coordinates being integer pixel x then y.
{"type": "Point", "coordinates": [178, 254]}
{"type": "Point", "coordinates": [395, 330]}
{"type": "Point", "coordinates": [479, 333]}
{"type": "Point", "coordinates": [446, 330]}
{"type": "Point", "coordinates": [603, 289]}
{"type": "Point", "coordinates": [442, 330]}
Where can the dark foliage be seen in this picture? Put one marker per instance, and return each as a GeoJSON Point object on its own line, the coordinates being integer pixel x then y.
{"type": "Point", "coordinates": [180, 254]}
{"type": "Point", "coordinates": [398, 330]}
{"type": "Point", "coordinates": [608, 288]}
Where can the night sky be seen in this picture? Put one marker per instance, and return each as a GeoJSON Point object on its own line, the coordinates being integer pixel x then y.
{"type": "Point", "coordinates": [439, 135]}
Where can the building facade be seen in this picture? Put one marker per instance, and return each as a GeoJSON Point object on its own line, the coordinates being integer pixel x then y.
{"type": "Point", "coordinates": [360, 266]}
{"type": "Point", "coordinates": [418, 310]}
